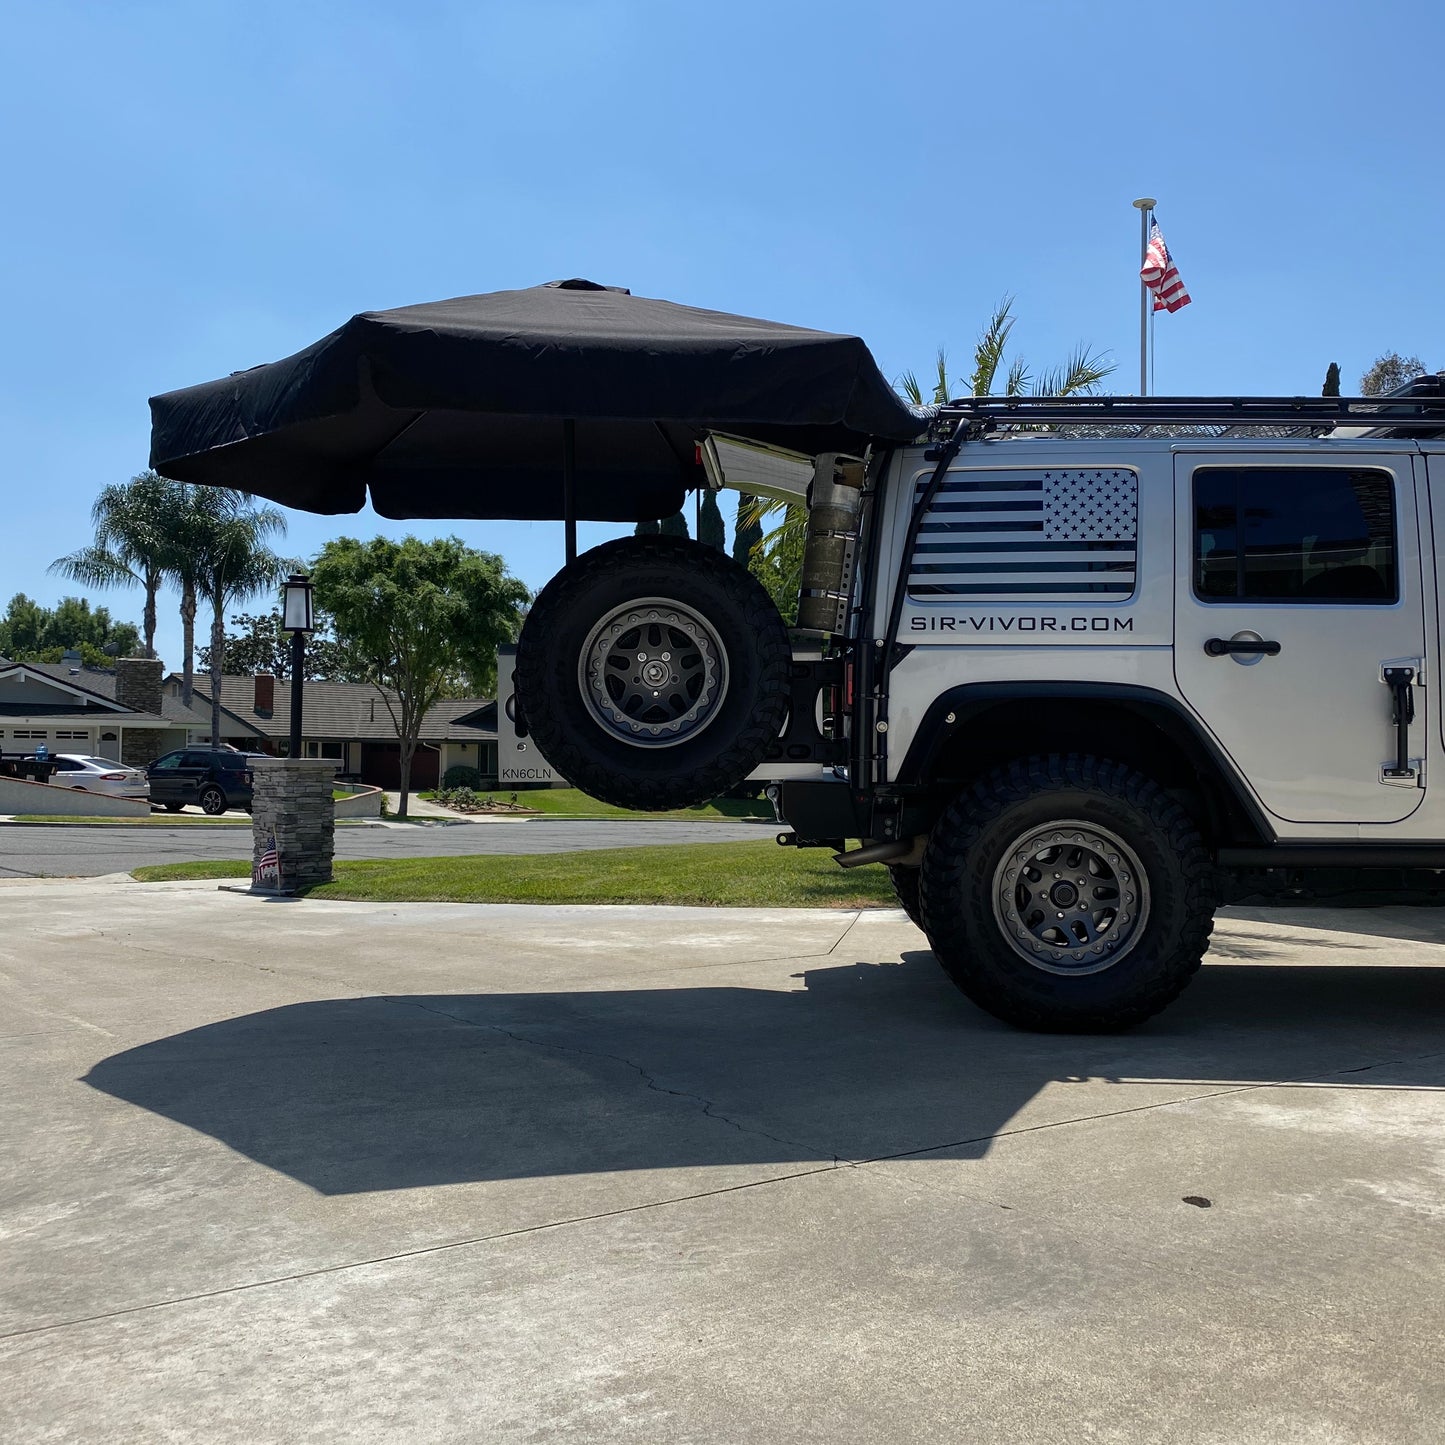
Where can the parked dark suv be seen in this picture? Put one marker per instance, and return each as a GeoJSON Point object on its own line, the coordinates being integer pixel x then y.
{"type": "Point", "coordinates": [213, 780]}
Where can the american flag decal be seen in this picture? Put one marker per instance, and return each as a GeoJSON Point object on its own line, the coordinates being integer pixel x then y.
{"type": "Point", "coordinates": [1029, 535]}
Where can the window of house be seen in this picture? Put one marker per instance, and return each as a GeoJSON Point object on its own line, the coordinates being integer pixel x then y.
{"type": "Point", "coordinates": [324, 750]}
{"type": "Point", "coordinates": [35, 734]}
{"type": "Point", "coordinates": [1294, 534]}
{"type": "Point", "coordinates": [63, 736]}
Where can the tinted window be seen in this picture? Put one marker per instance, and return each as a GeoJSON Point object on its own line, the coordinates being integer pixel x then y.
{"type": "Point", "coordinates": [171, 760]}
{"type": "Point", "coordinates": [197, 760]}
{"type": "Point", "coordinates": [1294, 534]}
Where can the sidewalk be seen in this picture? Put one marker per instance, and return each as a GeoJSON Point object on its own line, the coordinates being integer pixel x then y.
{"type": "Point", "coordinates": [420, 810]}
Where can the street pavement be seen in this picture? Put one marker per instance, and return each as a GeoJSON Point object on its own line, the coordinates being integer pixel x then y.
{"type": "Point", "coordinates": [75, 851]}
{"type": "Point", "coordinates": [281, 1171]}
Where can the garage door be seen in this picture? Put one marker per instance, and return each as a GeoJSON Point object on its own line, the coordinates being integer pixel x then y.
{"type": "Point", "coordinates": [381, 766]}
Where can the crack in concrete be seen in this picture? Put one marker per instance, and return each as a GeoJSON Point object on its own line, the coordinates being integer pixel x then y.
{"type": "Point", "coordinates": [648, 1078]}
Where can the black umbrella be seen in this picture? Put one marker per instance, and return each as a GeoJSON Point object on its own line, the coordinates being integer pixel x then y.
{"type": "Point", "coordinates": [478, 407]}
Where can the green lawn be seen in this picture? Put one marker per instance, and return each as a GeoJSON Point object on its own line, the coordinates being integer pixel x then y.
{"type": "Point", "coordinates": [573, 803]}
{"type": "Point", "coordinates": [733, 875]}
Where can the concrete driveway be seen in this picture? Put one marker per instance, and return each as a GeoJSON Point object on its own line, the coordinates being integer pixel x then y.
{"type": "Point", "coordinates": [325, 1171]}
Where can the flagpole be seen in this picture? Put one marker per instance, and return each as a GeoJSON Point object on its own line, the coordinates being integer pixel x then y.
{"type": "Point", "coordinates": [1144, 205]}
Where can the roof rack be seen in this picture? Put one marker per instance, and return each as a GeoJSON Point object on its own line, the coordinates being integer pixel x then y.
{"type": "Point", "coordinates": [1416, 409]}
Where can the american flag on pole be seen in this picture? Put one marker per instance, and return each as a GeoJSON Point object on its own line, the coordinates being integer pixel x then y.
{"type": "Point", "coordinates": [1028, 535]}
{"type": "Point", "coordinates": [1160, 274]}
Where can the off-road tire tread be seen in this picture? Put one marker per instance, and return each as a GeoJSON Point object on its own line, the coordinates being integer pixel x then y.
{"type": "Point", "coordinates": [905, 889]}
{"type": "Point", "coordinates": [748, 747]}
{"type": "Point", "coordinates": [953, 853]}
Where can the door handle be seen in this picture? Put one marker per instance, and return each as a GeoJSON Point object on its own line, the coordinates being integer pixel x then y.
{"type": "Point", "coordinates": [1401, 682]}
{"type": "Point", "coordinates": [1243, 647]}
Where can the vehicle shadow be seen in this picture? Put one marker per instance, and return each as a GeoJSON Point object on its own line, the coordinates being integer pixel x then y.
{"type": "Point", "coordinates": [861, 1060]}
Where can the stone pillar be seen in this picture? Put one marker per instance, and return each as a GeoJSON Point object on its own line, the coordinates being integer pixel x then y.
{"type": "Point", "coordinates": [291, 802]}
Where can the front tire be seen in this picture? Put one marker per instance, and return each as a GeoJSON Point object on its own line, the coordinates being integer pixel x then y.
{"type": "Point", "coordinates": [1068, 894]}
{"type": "Point", "coordinates": [653, 673]}
{"type": "Point", "coordinates": [212, 801]}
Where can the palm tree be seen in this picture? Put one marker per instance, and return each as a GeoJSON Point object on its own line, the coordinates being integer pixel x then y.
{"type": "Point", "coordinates": [1081, 372]}
{"type": "Point", "coordinates": [781, 550]}
{"type": "Point", "coordinates": [133, 522]}
{"type": "Point", "coordinates": [230, 561]}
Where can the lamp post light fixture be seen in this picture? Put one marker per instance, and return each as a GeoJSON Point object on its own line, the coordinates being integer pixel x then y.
{"type": "Point", "coordinates": [298, 617]}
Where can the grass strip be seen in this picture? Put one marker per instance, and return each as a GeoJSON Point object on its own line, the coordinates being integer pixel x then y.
{"type": "Point", "coordinates": [717, 875]}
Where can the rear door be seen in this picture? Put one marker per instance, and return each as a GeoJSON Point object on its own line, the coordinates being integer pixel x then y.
{"type": "Point", "coordinates": [195, 769]}
{"type": "Point", "coordinates": [165, 778]}
{"type": "Point", "coordinates": [1297, 583]}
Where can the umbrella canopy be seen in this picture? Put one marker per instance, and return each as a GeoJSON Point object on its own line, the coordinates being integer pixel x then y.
{"type": "Point", "coordinates": [461, 408]}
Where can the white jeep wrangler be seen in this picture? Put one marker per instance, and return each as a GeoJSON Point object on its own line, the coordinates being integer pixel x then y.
{"type": "Point", "coordinates": [1095, 666]}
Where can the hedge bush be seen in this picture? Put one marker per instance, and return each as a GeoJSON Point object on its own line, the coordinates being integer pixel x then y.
{"type": "Point", "coordinates": [459, 775]}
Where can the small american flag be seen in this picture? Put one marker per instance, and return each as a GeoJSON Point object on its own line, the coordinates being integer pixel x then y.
{"type": "Point", "coordinates": [1029, 535]}
{"type": "Point", "coordinates": [1160, 274]}
{"type": "Point", "coordinates": [267, 871]}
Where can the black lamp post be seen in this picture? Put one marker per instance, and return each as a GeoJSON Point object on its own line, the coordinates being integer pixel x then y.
{"type": "Point", "coordinates": [298, 617]}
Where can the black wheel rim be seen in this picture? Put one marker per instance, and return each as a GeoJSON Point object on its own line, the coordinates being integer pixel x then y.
{"type": "Point", "coordinates": [1070, 898]}
{"type": "Point", "coordinates": [653, 673]}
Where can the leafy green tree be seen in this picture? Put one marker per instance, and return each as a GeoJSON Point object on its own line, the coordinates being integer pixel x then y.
{"type": "Point", "coordinates": [710, 528]}
{"type": "Point", "coordinates": [32, 633]}
{"type": "Point", "coordinates": [259, 643]}
{"type": "Point", "coordinates": [22, 630]}
{"type": "Point", "coordinates": [1389, 372]}
{"type": "Point", "coordinates": [1332, 380]}
{"type": "Point", "coordinates": [133, 532]}
{"type": "Point", "coordinates": [418, 615]}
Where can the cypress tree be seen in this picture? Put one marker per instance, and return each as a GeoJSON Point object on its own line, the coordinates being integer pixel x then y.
{"type": "Point", "coordinates": [674, 526]}
{"type": "Point", "coordinates": [710, 527]}
{"type": "Point", "coordinates": [745, 538]}
{"type": "Point", "coordinates": [1332, 380]}
{"type": "Point", "coordinates": [647, 529]}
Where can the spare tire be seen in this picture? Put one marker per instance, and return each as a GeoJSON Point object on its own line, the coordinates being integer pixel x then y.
{"type": "Point", "coordinates": [652, 672]}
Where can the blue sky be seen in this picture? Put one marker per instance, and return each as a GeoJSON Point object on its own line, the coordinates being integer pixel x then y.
{"type": "Point", "coordinates": [192, 188]}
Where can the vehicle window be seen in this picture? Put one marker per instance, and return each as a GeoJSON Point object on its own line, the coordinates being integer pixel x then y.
{"type": "Point", "coordinates": [196, 760]}
{"type": "Point", "coordinates": [171, 760]}
{"type": "Point", "coordinates": [107, 763]}
{"type": "Point", "coordinates": [1294, 534]}
{"type": "Point", "coordinates": [67, 765]}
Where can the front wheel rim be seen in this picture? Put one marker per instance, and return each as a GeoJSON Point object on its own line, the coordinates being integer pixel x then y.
{"type": "Point", "coordinates": [653, 673]}
{"type": "Point", "coordinates": [1070, 897]}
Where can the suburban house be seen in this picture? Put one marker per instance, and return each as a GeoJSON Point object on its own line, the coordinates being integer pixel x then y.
{"type": "Point", "coordinates": [120, 713]}
{"type": "Point", "coordinates": [352, 723]}
{"type": "Point", "coordinates": [134, 713]}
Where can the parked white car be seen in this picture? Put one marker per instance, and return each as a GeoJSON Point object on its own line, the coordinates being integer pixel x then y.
{"type": "Point", "coordinates": [100, 775]}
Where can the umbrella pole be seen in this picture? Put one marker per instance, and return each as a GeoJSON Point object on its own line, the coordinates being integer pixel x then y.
{"type": "Point", "coordinates": [569, 486]}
